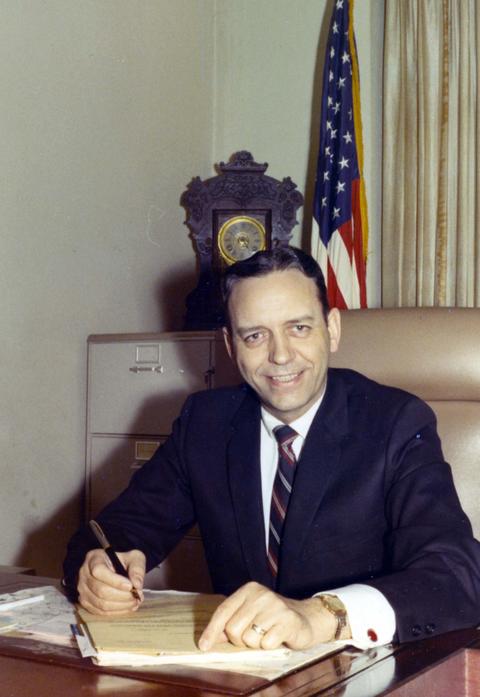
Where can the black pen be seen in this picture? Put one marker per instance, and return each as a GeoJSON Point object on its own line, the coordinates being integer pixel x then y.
{"type": "Point", "coordinates": [112, 555]}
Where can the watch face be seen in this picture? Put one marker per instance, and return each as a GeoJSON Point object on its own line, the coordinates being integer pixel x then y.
{"type": "Point", "coordinates": [240, 237]}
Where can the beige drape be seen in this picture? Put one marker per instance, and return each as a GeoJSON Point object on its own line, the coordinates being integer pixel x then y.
{"type": "Point", "coordinates": [431, 154]}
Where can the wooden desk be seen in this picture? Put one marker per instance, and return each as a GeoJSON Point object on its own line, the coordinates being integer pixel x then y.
{"type": "Point", "coordinates": [439, 667]}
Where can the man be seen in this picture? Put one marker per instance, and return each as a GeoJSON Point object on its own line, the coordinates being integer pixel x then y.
{"type": "Point", "coordinates": [357, 534]}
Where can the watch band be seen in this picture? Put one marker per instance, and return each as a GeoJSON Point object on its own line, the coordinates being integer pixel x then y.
{"type": "Point", "coordinates": [334, 605]}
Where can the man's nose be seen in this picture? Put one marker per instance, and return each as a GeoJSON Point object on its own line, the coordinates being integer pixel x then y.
{"type": "Point", "coordinates": [281, 350]}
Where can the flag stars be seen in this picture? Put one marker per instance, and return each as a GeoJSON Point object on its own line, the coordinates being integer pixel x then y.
{"type": "Point", "coordinates": [332, 52]}
{"type": "Point", "coordinates": [336, 108]}
{"type": "Point", "coordinates": [333, 133]}
{"type": "Point", "coordinates": [339, 4]}
{"type": "Point", "coordinates": [336, 213]}
{"type": "Point", "coordinates": [330, 76]}
{"type": "Point", "coordinates": [326, 176]}
{"type": "Point", "coordinates": [341, 82]}
{"type": "Point", "coordinates": [340, 187]}
{"type": "Point", "coordinates": [343, 163]}
{"type": "Point", "coordinates": [335, 28]}
{"type": "Point", "coordinates": [329, 101]}
{"type": "Point", "coordinates": [329, 125]}
{"type": "Point", "coordinates": [327, 150]}
{"type": "Point", "coordinates": [345, 57]}
{"type": "Point", "coordinates": [324, 201]}
{"type": "Point", "coordinates": [347, 137]}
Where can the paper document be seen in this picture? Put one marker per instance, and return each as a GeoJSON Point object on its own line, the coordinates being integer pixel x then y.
{"type": "Point", "coordinates": [166, 625]}
{"type": "Point", "coordinates": [48, 619]}
{"type": "Point", "coordinates": [165, 630]}
{"type": "Point", "coordinates": [7, 623]}
{"type": "Point", "coordinates": [15, 604]}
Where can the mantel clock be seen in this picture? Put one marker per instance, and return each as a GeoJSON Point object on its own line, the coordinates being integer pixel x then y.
{"type": "Point", "coordinates": [231, 216]}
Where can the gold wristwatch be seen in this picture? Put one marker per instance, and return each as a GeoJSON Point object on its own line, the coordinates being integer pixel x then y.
{"type": "Point", "coordinates": [334, 605]}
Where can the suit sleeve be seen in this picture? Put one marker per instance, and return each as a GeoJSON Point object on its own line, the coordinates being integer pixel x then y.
{"type": "Point", "coordinates": [152, 514]}
{"type": "Point", "coordinates": [434, 562]}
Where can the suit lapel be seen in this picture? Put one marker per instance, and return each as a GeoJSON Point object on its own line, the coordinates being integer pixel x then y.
{"type": "Point", "coordinates": [318, 465]}
{"type": "Point", "coordinates": [243, 457]}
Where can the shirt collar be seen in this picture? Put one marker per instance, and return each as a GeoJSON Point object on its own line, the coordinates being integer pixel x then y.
{"type": "Point", "coordinates": [300, 425]}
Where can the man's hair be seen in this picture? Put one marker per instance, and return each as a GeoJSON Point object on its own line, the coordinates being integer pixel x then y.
{"type": "Point", "coordinates": [278, 259]}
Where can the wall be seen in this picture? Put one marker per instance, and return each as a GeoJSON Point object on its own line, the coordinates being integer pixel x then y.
{"type": "Point", "coordinates": [106, 114]}
{"type": "Point", "coordinates": [108, 109]}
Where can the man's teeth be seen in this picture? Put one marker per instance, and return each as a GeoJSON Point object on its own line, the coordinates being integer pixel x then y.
{"type": "Point", "coordinates": [284, 378]}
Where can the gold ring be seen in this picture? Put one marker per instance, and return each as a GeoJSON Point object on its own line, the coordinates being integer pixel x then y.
{"type": "Point", "coordinates": [259, 630]}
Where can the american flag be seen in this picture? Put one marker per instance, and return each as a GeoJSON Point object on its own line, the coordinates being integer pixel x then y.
{"type": "Point", "coordinates": [340, 227]}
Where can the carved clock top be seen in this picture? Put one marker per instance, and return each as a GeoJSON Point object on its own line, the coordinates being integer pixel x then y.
{"type": "Point", "coordinates": [242, 185]}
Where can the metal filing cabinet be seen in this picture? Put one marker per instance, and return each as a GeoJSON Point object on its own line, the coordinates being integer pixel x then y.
{"type": "Point", "coordinates": [136, 387]}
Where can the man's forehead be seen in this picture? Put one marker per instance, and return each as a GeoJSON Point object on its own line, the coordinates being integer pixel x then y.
{"type": "Point", "coordinates": [288, 279]}
{"type": "Point", "coordinates": [281, 295]}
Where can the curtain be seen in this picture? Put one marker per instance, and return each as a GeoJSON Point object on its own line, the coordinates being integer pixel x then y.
{"type": "Point", "coordinates": [431, 154]}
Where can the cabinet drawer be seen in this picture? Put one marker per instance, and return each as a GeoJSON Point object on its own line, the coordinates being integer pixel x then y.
{"type": "Point", "coordinates": [112, 462]}
{"type": "Point", "coordinates": [139, 387]}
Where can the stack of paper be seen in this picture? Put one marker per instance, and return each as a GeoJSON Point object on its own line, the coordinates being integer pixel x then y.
{"type": "Point", "coordinates": [41, 613]}
{"type": "Point", "coordinates": [165, 630]}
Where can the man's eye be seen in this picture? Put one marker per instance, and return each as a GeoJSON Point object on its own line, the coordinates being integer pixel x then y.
{"type": "Point", "coordinates": [252, 338]}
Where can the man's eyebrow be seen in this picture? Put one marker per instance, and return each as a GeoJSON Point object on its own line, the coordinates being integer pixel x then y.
{"type": "Point", "coordinates": [299, 320]}
{"type": "Point", "coordinates": [259, 328]}
{"type": "Point", "coordinates": [247, 330]}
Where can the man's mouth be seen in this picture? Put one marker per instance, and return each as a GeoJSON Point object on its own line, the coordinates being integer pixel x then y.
{"type": "Point", "coordinates": [282, 379]}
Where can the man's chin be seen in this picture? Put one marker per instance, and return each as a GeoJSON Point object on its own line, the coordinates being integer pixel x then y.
{"type": "Point", "coordinates": [285, 409]}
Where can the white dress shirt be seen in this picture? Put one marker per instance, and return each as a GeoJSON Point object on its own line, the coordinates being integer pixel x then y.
{"type": "Point", "coordinates": [371, 617]}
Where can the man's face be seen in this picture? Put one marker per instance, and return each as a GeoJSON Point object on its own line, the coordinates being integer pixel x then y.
{"type": "Point", "coordinates": [280, 341]}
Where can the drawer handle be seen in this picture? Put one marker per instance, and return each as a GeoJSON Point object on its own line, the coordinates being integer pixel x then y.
{"type": "Point", "coordinates": [147, 369]}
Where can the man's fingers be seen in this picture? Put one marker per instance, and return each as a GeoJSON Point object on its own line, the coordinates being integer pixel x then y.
{"type": "Point", "coordinates": [255, 634]}
{"type": "Point", "coordinates": [101, 606]}
{"type": "Point", "coordinates": [104, 572]}
{"type": "Point", "coordinates": [216, 630]}
{"type": "Point", "coordinates": [103, 591]}
{"type": "Point", "coordinates": [135, 565]}
{"type": "Point", "coordinates": [256, 617]}
{"type": "Point", "coordinates": [102, 598]}
{"type": "Point", "coordinates": [235, 616]}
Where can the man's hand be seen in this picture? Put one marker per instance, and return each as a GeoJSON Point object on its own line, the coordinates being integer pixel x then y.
{"type": "Point", "coordinates": [104, 592]}
{"type": "Point", "coordinates": [256, 617]}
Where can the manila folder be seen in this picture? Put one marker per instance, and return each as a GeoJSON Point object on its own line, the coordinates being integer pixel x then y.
{"type": "Point", "coordinates": [165, 624]}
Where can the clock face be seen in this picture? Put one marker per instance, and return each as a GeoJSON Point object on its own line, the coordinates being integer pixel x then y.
{"type": "Point", "coordinates": [240, 237]}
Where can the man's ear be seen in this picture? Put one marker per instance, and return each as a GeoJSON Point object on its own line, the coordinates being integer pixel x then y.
{"type": "Point", "coordinates": [227, 337]}
{"type": "Point", "coordinates": [334, 326]}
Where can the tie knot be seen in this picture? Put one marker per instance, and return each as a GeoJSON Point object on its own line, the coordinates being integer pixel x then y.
{"type": "Point", "coordinates": [285, 435]}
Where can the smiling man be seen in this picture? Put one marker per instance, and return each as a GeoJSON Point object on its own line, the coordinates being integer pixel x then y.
{"type": "Point", "coordinates": [324, 502]}
{"type": "Point", "coordinates": [280, 340]}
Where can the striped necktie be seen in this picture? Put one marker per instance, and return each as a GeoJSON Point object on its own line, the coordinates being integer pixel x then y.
{"type": "Point", "coordinates": [282, 488]}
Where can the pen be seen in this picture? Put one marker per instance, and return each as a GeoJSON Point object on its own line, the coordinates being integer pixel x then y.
{"type": "Point", "coordinates": [13, 604]}
{"type": "Point", "coordinates": [110, 552]}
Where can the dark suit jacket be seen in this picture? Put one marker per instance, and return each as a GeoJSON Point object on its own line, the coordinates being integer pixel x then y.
{"type": "Point", "coordinates": [373, 502]}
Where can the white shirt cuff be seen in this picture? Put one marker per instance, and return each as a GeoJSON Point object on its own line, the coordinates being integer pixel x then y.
{"type": "Point", "coordinates": [370, 615]}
